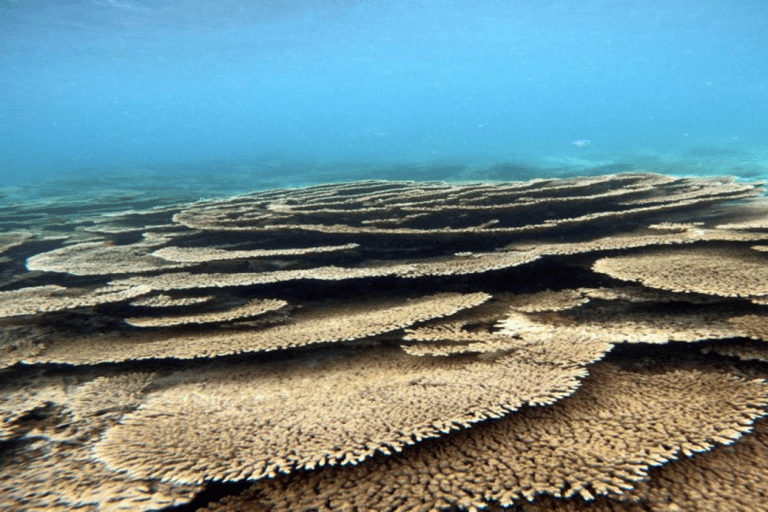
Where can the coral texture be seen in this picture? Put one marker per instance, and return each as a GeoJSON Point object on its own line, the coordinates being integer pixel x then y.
{"type": "Point", "coordinates": [384, 345]}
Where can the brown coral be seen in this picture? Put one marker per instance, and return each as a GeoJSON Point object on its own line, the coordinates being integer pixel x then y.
{"type": "Point", "coordinates": [367, 268]}
{"type": "Point", "coordinates": [11, 239]}
{"type": "Point", "coordinates": [48, 463]}
{"type": "Point", "coordinates": [472, 263]}
{"type": "Point", "coordinates": [60, 476]}
{"type": "Point", "coordinates": [602, 440]}
{"type": "Point", "coordinates": [744, 350]}
{"type": "Point", "coordinates": [99, 258]}
{"type": "Point", "coordinates": [726, 479]}
{"type": "Point", "coordinates": [626, 322]}
{"type": "Point", "coordinates": [753, 326]}
{"type": "Point", "coordinates": [323, 323]}
{"type": "Point", "coordinates": [200, 255]}
{"type": "Point", "coordinates": [51, 298]}
{"type": "Point", "coordinates": [253, 308]}
{"type": "Point", "coordinates": [474, 208]}
{"type": "Point", "coordinates": [726, 272]}
{"type": "Point", "coordinates": [167, 301]}
{"type": "Point", "coordinates": [338, 409]}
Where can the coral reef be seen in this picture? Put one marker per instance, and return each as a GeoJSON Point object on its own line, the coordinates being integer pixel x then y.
{"type": "Point", "coordinates": [588, 343]}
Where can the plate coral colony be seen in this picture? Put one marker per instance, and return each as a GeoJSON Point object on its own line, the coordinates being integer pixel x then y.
{"type": "Point", "coordinates": [592, 343]}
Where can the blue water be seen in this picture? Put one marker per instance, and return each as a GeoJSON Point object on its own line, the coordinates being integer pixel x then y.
{"type": "Point", "coordinates": [217, 97]}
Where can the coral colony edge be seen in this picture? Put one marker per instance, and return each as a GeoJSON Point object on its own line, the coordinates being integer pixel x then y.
{"type": "Point", "coordinates": [593, 343]}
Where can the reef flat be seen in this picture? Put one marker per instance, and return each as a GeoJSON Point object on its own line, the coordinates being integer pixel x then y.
{"type": "Point", "coordinates": [586, 343]}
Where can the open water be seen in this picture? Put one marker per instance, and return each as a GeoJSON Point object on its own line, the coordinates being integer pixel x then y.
{"type": "Point", "coordinates": [199, 99]}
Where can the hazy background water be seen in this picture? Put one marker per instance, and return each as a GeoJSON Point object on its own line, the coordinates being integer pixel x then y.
{"type": "Point", "coordinates": [206, 98]}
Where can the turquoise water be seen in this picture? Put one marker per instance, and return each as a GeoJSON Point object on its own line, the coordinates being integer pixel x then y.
{"type": "Point", "coordinates": [206, 98]}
